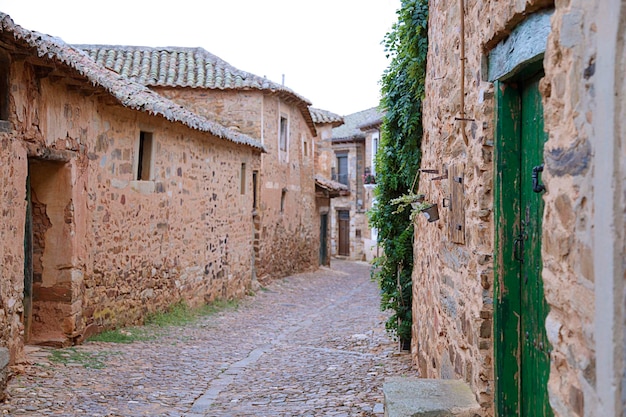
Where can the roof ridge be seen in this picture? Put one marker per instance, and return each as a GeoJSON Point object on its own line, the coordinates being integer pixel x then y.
{"type": "Point", "coordinates": [193, 67]}
{"type": "Point", "coordinates": [127, 92]}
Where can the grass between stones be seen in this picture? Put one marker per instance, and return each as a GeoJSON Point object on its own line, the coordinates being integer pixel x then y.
{"type": "Point", "coordinates": [178, 314]}
{"type": "Point", "coordinates": [74, 357]}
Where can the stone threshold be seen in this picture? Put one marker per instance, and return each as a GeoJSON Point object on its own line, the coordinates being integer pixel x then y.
{"type": "Point", "coordinates": [418, 397]}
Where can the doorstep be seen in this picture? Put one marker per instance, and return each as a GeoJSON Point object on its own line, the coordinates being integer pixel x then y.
{"type": "Point", "coordinates": [419, 397]}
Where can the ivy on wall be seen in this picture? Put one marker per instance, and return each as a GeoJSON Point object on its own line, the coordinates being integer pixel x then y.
{"type": "Point", "coordinates": [397, 161]}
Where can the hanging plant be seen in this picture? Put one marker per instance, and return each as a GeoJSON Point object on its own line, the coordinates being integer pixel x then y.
{"type": "Point", "coordinates": [398, 159]}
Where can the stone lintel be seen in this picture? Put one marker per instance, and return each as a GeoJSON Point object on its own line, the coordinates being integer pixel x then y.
{"type": "Point", "coordinates": [526, 45]}
{"type": "Point", "coordinates": [418, 397]}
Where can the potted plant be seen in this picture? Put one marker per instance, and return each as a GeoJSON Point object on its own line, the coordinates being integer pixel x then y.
{"type": "Point", "coordinates": [369, 179]}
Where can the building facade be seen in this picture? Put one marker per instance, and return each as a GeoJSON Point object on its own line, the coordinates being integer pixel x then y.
{"type": "Point", "coordinates": [351, 161]}
{"type": "Point", "coordinates": [286, 230]}
{"type": "Point", "coordinates": [519, 287]}
{"type": "Point", "coordinates": [117, 202]}
{"type": "Point", "coordinates": [325, 188]}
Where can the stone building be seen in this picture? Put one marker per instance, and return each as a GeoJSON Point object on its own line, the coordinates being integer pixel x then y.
{"type": "Point", "coordinates": [519, 287]}
{"type": "Point", "coordinates": [371, 129]}
{"type": "Point", "coordinates": [325, 187]}
{"type": "Point", "coordinates": [286, 229]}
{"type": "Point", "coordinates": [351, 165]}
{"type": "Point", "coordinates": [116, 201]}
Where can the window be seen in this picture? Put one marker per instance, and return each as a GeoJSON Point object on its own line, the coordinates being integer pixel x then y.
{"type": "Point", "coordinates": [242, 186]}
{"type": "Point", "coordinates": [144, 157]}
{"type": "Point", "coordinates": [283, 195]}
{"type": "Point", "coordinates": [305, 146]}
{"type": "Point", "coordinates": [255, 193]}
{"type": "Point", "coordinates": [284, 133]}
{"type": "Point", "coordinates": [375, 138]}
{"type": "Point", "coordinates": [342, 168]}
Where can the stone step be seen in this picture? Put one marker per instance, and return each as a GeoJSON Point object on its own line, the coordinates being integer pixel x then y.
{"type": "Point", "coordinates": [418, 397]}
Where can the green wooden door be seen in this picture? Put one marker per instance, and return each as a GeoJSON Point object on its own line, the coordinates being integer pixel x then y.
{"type": "Point", "coordinates": [521, 346]}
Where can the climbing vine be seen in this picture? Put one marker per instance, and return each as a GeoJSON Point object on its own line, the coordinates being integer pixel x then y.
{"type": "Point", "coordinates": [397, 160]}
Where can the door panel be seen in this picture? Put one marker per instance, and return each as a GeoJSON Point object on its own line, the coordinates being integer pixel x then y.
{"type": "Point", "coordinates": [535, 356]}
{"type": "Point", "coordinates": [344, 233]}
{"type": "Point", "coordinates": [521, 348]}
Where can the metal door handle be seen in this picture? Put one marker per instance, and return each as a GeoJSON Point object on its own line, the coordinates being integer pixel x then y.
{"type": "Point", "coordinates": [537, 186]}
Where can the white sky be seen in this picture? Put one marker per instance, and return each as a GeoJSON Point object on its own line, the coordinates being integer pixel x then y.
{"type": "Point", "coordinates": [330, 51]}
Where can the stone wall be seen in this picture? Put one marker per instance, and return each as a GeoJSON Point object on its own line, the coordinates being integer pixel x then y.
{"type": "Point", "coordinates": [187, 234]}
{"type": "Point", "coordinates": [108, 248]}
{"type": "Point", "coordinates": [13, 168]}
{"type": "Point", "coordinates": [289, 234]}
{"type": "Point", "coordinates": [239, 110]}
{"type": "Point", "coordinates": [324, 154]}
{"type": "Point", "coordinates": [371, 249]}
{"type": "Point", "coordinates": [453, 283]}
{"type": "Point", "coordinates": [287, 241]}
{"type": "Point", "coordinates": [584, 182]}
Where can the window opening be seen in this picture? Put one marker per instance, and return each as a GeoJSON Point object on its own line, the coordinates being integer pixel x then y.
{"type": "Point", "coordinates": [284, 133]}
{"type": "Point", "coordinates": [305, 146]}
{"type": "Point", "coordinates": [375, 138]}
{"type": "Point", "coordinates": [342, 169]}
{"type": "Point", "coordinates": [282, 200]}
{"type": "Point", "coordinates": [242, 186]}
{"type": "Point", "coordinates": [255, 193]}
{"type": "Point", "coordinates": [144, 161]}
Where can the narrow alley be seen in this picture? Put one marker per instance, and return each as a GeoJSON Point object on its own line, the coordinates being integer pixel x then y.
{"type": "Point", "coordinates": [313, 344]}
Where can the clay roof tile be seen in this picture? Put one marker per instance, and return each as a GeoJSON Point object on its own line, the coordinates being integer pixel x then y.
{"type": "Point", "coordinates": [127, 92]}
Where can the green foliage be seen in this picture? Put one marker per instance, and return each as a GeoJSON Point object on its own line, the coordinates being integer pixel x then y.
{"type": "Point", "coordinates": [125, 335]}
{"type": "Point", "coordinates": [178, 314]}
{"type": "Point", "coordinates": [397, 161]}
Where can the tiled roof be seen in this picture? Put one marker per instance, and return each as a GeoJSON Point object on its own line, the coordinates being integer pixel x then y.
{"type": "Point", "coordinates": [331, 185]}
{"type": "Point", "coordinates": [186, 67]}
{"type": "Point", "coordinates": [372, 123]}
{"type": "Point", "coordinates": [128, 93]}
{"type": "Point", "coordinates": [350, 130]}
{"type": "Point", "coordinates": [325, 117]}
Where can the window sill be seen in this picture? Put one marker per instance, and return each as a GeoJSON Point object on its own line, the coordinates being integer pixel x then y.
{"type": "Point", "coordinates": [143, 187]}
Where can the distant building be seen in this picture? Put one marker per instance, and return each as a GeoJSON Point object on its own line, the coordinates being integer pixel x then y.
{"type": "Point", "coordinates": [351, 165]}
{"type": "Point", "coordinates": [325, 187]}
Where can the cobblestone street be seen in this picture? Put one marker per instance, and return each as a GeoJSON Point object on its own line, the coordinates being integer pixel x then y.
{"type": "Point", "coordinates": [313, 344]}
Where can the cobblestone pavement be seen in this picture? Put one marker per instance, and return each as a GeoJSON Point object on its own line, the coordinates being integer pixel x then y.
{"type": "Point", "coordinates": [312, 344]}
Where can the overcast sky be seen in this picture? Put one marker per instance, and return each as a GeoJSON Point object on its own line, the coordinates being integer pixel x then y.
{"type": "Point", "coordinates": [329, 51]}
